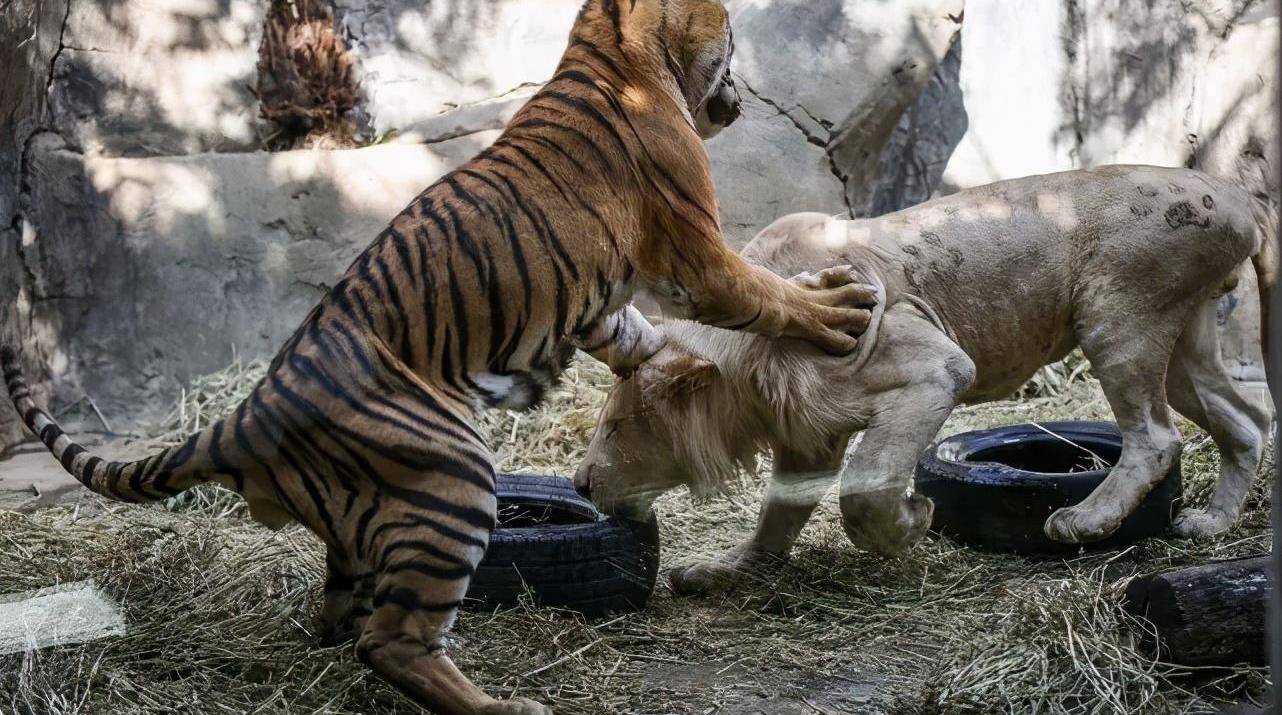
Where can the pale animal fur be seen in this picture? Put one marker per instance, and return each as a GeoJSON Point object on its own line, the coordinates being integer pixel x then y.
{"type": "Point", "coordinates": [978, 290]}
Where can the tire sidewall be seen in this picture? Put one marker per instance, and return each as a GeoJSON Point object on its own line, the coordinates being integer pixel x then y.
{"type": "Point", "coordinates": [599, 566]}
{"type": "Point", "coordinates": [997, 507]}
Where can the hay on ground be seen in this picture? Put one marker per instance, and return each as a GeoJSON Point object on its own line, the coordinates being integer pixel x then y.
{"type": "Point", "coordinates": [221, 612]}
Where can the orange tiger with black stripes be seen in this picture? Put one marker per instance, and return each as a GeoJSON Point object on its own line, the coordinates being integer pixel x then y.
{"type": "Point", "coordinates": [475, 295]}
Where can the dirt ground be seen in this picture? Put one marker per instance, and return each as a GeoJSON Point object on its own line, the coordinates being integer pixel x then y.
{"type": "Point", "coordinates": [221, 611]}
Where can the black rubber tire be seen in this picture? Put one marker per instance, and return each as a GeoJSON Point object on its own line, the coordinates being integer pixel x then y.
{"type": "Point", "coordinates": [994, 506]}
{"type": "Point", "coordinates": [563, 552]}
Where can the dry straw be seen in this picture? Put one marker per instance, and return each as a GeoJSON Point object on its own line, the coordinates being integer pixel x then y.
{"type": "Point", "coordinates": [306, 86]}
{"type": "Point", "coordinates": [221, 611]}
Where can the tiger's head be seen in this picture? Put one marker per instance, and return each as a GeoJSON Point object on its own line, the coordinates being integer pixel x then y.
{"type": "Point", "coordinates": [687, 42]}
{"type": "Point", "coordinates": [703, 44]}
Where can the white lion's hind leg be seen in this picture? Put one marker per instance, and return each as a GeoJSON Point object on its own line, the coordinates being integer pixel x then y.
{"type": "Point", "coordinates": [1199, 387]}
{"type": "Point", "coordinates": [1201, 523]}
{"type": "Point", "coordinates": [1129, 356]}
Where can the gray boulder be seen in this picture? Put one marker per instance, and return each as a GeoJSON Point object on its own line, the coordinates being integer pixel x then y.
{"type": "Point", "coordinates": [825, 85]}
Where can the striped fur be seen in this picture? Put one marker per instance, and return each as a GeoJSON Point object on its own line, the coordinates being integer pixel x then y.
{"type": "Point", "coordinates": [159, 476]}
{"type": "Point", "coordinates": [364, 427]}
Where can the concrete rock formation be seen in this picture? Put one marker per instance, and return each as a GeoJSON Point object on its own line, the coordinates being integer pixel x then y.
{"type": "Point", "coordinates": [824, 85]}
{"type": "Point", "coordinates": [143, 233]}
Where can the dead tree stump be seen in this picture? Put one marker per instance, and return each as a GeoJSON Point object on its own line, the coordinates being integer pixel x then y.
{"type": "Point", "coordinates": [1206, 615]}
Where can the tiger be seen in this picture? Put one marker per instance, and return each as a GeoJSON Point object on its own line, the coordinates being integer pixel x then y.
{"type": "Point", "coordinates": [364, 428]}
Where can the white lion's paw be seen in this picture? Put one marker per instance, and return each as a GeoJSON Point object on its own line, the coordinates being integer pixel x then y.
{"type": "Point", "coordinates": [919, 511]}
{"type": "Point", "coordinates": [704, 578]}
{"type": "Point", "coordinates": [886, 526]}
{"type": "Point", "coordinates": [516, 706]}
{"type": "Point", "coordinates": [1075, 525]}
{"type": "Point", "coordinates": [1200, 523]}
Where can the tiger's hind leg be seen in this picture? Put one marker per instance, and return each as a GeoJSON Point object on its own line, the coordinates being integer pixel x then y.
{"type": "Point", "coordinates": [424, 562]}
{"type": "Point", "coordinates": [421, 520]}
{"type": "Point", "coordinates": [349, 589]}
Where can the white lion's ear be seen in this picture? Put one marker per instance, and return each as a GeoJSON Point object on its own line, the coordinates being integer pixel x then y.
{"type": "Point", "coordinates": [688, 375]}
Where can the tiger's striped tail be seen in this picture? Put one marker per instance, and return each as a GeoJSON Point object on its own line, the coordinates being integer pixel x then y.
{"type": "Point", "coordinates": [152, 478]}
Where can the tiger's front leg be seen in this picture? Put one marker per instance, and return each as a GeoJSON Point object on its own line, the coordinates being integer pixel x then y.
{"type": "Point", "coordinates": [829, 310]}
{"type": "Point", "coordinates": [623, 340]}
{"type": "Point", "coordinates": [798, 483]}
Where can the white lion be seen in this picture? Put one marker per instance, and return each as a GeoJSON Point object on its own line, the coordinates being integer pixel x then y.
{"type": "Point", "coordinates": [978, 290]}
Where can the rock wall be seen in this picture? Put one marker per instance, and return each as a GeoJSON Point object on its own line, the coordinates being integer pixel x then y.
{"type": "Point", "coordinates": [1185, 82]}
{"type": "Point", "coordinates": [420, 59]}
{"type": "Point", "coordinates": [1180, 83]}
{"type": "Point", "coordinates": [167, 265]}
{"type": "Point", "coordinates": [153, 79]}
{"type": "Point", "coordinates": [29, 42]}
{"type": "Point", "coordinates": [143, 236]}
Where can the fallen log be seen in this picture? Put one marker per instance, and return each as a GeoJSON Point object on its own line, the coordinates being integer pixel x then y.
{"type": "Point", "coordinates": [1206, 615]}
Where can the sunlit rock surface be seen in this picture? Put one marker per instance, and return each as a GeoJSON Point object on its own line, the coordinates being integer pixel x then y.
{"type": "Point", "coordinates": [1050, 85]}
{"type": "Point", "coordinates": [143, 233]}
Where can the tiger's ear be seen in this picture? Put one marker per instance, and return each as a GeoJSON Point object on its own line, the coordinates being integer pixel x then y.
{"type": "Point", "coordinates": [705, 26]}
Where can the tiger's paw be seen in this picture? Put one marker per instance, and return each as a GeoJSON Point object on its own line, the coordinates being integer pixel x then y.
{"type": "Point", "coordinates": [837, 308]}
{"type": "Point", "coordinates": [836, 287]}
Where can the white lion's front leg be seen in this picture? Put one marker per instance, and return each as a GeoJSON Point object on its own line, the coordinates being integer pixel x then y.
{"type": "Point", "coordinates": [720, 574]}
{"type": "Point", "coordinates": [924, 372]}
{"type": "Point", "coordinates": [795, 488]}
